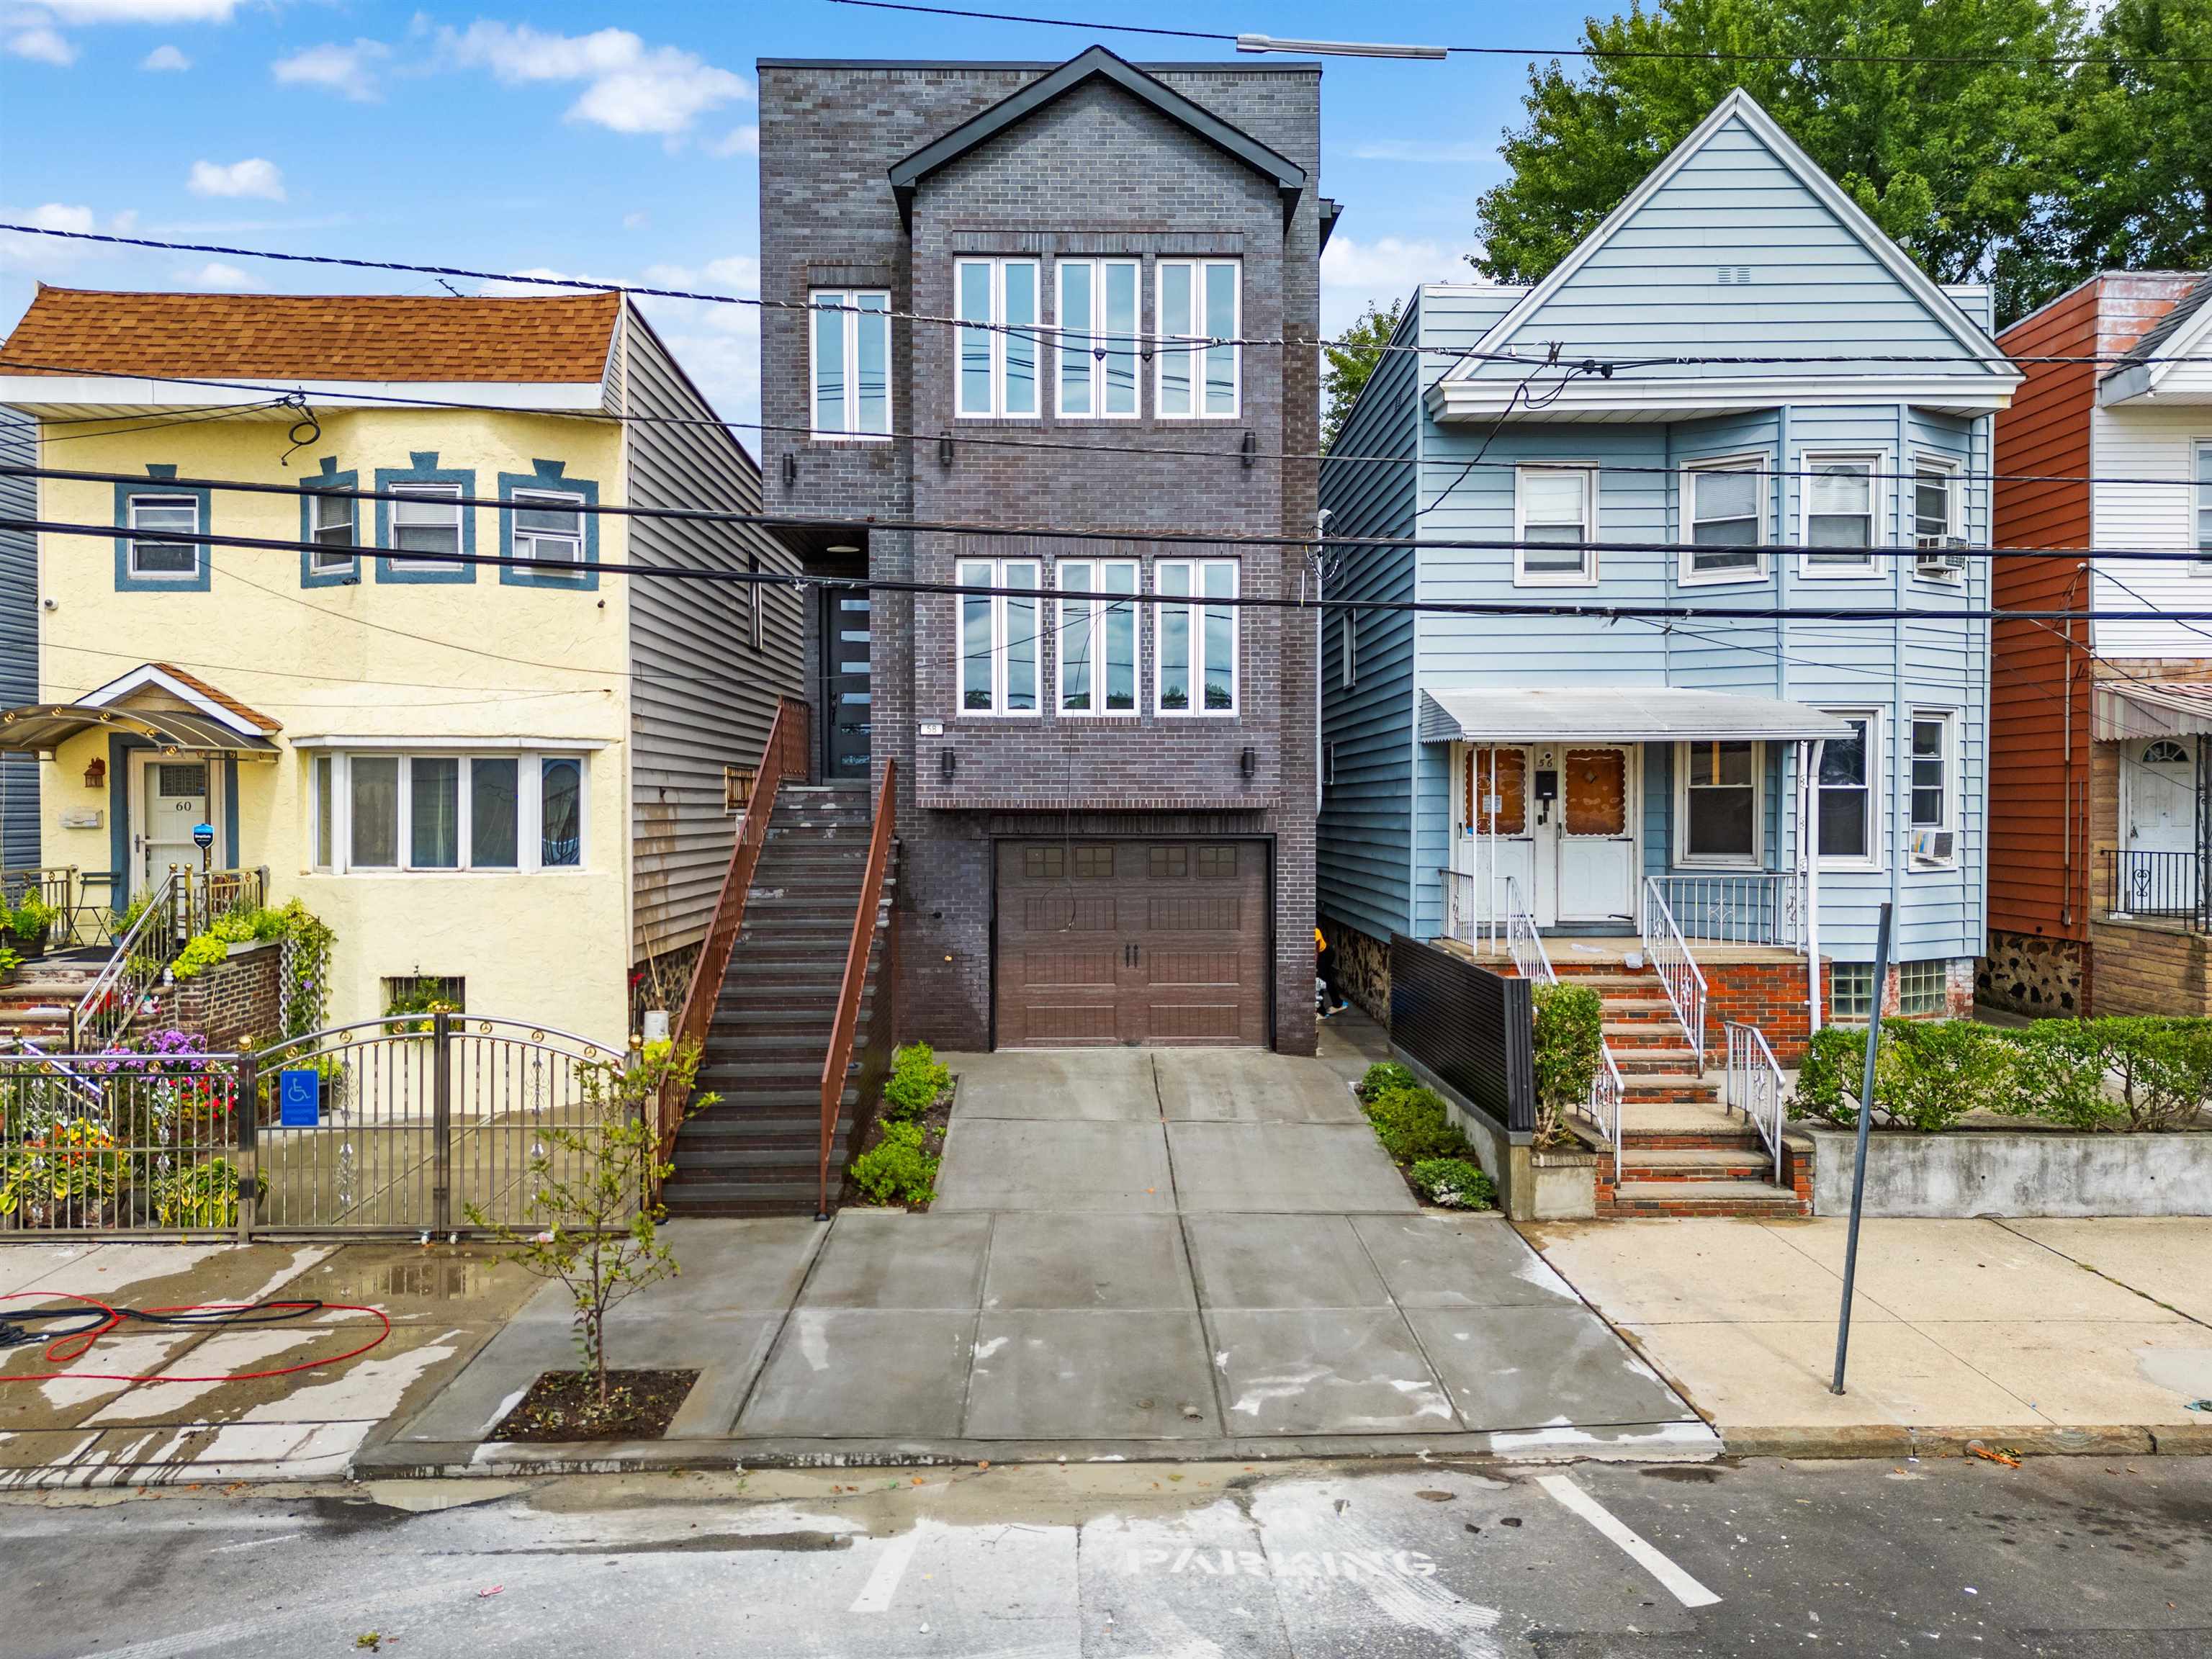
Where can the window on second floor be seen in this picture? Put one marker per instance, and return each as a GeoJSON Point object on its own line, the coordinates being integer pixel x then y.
{"type": "Point", "coordinates": [998, 642]}
{"type": "Point", "coordinates": [1096, 348]}
{"type": "Point", "coordinates": [1195, 650]}
{"type": "Point", "coordinates": [996, 373]}
{"type": "Point", "coordinates": [850, 348]}
{"type": "Point", "coordinates": [1724, 510]}
{"type": "Point", "coordinates": [1096, 639]}
{"type": "Point", "coordinates": [547, 525]}
{"type": "Point", "coordinates": [161, 560]}
{"type": "Point", "coordinates": [1840, 519]}
{"type": "Point", "coordinates": [1937, 521]}
{"type": "Point", "coordinates": [1199, 303]}
{"type": "Point", "coordinates": [2202, 540]}
{"type": "Point", "coordinates": [1555, 513]}
{"type": "Point", "coordinates": [331, 527]}
{"type": "Point", "coordinates": [425, 524]}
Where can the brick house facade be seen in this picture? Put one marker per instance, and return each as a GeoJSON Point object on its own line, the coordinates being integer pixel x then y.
{"type": "Point", "coordinates": [878, 181]}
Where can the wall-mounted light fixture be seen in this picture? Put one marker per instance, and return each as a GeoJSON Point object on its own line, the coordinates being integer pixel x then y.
{"type": "Point", "coordinates": [1251, 450]}
{"type": "Point", "coordinates": [95, 774]}
{"type": "Point", "coordinates": [946, 763]}
{"type": "Point", "coordinates": [1247, 761]}
{"type": "Point", "coordinates": [945, 449]}
{"type": "Point", "coordinates": [790, 469]}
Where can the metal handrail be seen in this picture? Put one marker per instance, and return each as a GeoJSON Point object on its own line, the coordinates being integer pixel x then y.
{"type": "Point", "coordinates": [2162, 885]}
{"type": "Point", "coordinates": [1755, 1085]}
{"type": "Point", "coordinates": [1741, 908]}
{"type": "Point", "coordinates": [137, 962]}
{"type": "Point", "coordinates": [839, 1060]}
{"type": "Point", "coordinates": [1678, 970]}
{"type": "Point", "coordinates": [783, 755]}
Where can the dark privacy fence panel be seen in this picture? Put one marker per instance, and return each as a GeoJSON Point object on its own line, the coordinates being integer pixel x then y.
{"type": "Point", "coordinates": [1473, 1029]}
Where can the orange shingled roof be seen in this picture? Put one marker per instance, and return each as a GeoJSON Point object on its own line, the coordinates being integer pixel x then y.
{"type": "Point", "coordinates": [252, 717]}
{"type": "Point", "coordinates": [548, 339]}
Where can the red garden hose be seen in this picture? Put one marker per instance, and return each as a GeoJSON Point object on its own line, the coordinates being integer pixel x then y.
{"type": "Point", "coordinates": [96, 1318]}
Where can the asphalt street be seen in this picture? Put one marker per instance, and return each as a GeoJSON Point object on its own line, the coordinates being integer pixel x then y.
{"type": "Point", "coordinates": [2063, 1556]}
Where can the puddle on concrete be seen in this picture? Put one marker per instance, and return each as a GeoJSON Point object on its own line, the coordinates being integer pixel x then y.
{"type": "Point", "coordinates": [2187, 1371]}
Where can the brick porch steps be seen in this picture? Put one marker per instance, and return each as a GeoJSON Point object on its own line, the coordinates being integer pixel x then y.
{"type": "Point", "coordinates": [1702, 1198]}
{"type": "Point", "coordinates": [36, 1005]}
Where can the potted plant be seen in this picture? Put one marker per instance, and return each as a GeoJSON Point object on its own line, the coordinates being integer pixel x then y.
{"type": "Point", "coordinates": [28, 924]}
{"type": "Point", "coordinates": [63, 1175]}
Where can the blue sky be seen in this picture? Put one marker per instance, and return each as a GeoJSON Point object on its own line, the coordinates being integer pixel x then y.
{"type": "Point", "coordinates": [597, 144]}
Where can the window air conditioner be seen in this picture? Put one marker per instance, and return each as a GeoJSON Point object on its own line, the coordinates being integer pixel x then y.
{"type": "Point", "coordinates": [1940, 555]}
{"type": "Point", "coordinates": [1934, 845]}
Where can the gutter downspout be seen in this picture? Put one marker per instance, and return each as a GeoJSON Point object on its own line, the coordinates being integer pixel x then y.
{"type": "Point", "coordinates": [1808, 820]}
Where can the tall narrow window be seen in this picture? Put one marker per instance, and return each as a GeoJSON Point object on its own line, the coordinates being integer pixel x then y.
{"type": "Point", "coordinates": [998, 640]}
{"type": "Point", "coordinates": [1096, 638]}
{"type": "Point", "coordinates": [426, 524]}
{"type": "Point", "coordinates": [1349, 640]}
{"type": "Point", "coordinates": [331, 527]}
{"type": "Point", "coordinates": [999, 360]}
{"type": "Point", "coordinates": [1196, 647]}
{"type": "Point", "coordinates": [1937, 523]}
{"type": "Point", "coordinates": [548, 526]}
{"type": "Point", "coordinates": [1724, 502]}
{"type": "Point", "coordinates": [1096, 347]}
{"type": "Point", "coordinates": [1720, 816]}
{"type": "Point", "coordinates": [2203, 540]}
{"type": "Point", "coordinates": [434, 813]}
{"type": "Point", "coordinates": [561, 820]}
{"type": "Point", "coordinates": [1554, 510]}
{"type": "Point", "coordinates": [1931, 790]}
{"type": "Point", "coordinates": [173, 514]}
{"type": "Point", "coordinates": [1848, 769]}
{"type": "Point", "coordinates": [375, 806]}
{"type": "Point", "coordinates": [1839, 514]}
{"type": "Point", "coordinates": [494, 842]}
{"type": "Point", "coordinates": [1201, 314]}
{"type": "Point", "coordinates": [755, 592]}
{"type": "Point", "coordinates": [851, 345]}
{"type": "Point", "coordinates": [325, 812]}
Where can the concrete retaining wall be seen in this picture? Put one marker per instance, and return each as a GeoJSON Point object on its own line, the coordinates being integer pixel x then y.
{"type": "Point", "coordinates": [2017, 1173]}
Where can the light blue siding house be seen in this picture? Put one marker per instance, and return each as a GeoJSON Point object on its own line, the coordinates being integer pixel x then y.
{"type": "Point", "coordinates": [1642, 423]}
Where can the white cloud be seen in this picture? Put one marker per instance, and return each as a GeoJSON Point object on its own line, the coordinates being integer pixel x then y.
{"type": "Point", "coordinates": [1353, 272]}
{"type": "Point", "coordinates": [48, 256]}
{"type": "Point", "coordinates": [350, 71]}
{"type": "Point", "coordinates": [1420, 149]}
{"type": "Point", "coordinates": [252, 177]}
{"type": "Point", "coordinates": [165, 57]}
{"type": "Point", "coordinates": [42, 46]}
{"type": "Point", "coordinates": [741, 141]}
{"type": "Point", "coordinates": [636, 221]}
{"type": "Point", "coordinates": [142, 12]}
{"type": "Point", "coordinates": [60, 216]}
{"type": "Point", "coordinates": [215, 275]}
{"type": "Point", "coordinates": [526, 290]}
{"type": "Point", "coordinates": [628, 87]}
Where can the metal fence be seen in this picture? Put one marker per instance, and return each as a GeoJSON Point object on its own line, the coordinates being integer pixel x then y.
{"type": "Point", "coordinates": [403, 1126]}
{"type": "Point", "coordinates": [2167, 886]}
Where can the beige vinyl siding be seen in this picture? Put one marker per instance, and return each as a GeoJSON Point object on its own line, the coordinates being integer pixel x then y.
{"type": "Point", "coordinates": [701, 696]}
{"type": "Point", "coordinates": [2128, 443]}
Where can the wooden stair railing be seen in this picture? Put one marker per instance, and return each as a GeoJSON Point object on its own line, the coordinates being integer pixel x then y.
{"type": "Point", "coordinates": [839, 1060]}
{"type": "Point", "coordinates": [782, 755]}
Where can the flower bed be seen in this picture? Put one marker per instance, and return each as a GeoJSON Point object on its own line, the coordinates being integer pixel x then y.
{"type": "Point", "coordinates": [1416, 1130]}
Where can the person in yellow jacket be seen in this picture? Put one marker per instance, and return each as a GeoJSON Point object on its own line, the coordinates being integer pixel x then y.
{"type": "Point", "coordinates": [1332, 999]}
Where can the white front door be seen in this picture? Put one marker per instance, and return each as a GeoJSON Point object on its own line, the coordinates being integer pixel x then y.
{"type": "Point", "coordinates": [2159, 816]}
{"type": "Point", "coordinates": [1586, 841]}
{"type": "Point", "coordinates": [169, 798]}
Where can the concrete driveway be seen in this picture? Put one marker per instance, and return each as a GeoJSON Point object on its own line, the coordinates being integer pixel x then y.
{"type": "Point", "coordinates": [1133, 1252]}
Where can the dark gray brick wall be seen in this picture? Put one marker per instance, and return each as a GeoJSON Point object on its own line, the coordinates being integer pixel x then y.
{"type": "Point", "coordinates": [1096, 171]}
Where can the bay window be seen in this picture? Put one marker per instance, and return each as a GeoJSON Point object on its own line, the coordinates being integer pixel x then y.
{"type": "Point", "coordinates": [1840, 530]}
{"type": "Point", "coordinates": [1196, 652]}
{"type": "Point", "coordinates": [1849, 767]}
{"type": "Point", "coordinates": [1937, 529]}
{"type": "Point", "coordinates": [447, 810]}
{"type": "Point", "coordinates": [425, 524]}
{"type": "Point", "coordinates": [996, 371]}
{"type": "Point", "coordinates": [1554, 513]}
{"type": "Point", "coordinates": [999, 640]}
{"type": "Point", "coordinates": [2202, 540]}
{"type": "Point", "coordinates": [1096, 353]}
{"type": "Point", "coordinates": [331, 528]}
{"type": "Point", "coordinates": [1717, 803]}
{"type": "Point", "coordinates": [1098, 636]}
{"type": "Point", "coordinates": [1932, 787]}
{"type": "Point", "coordinates": [1724, 503]}
{"type": "Point", "coordinates": [850, 343]}
{"type": "Point", "coordinates": [1199, 306]}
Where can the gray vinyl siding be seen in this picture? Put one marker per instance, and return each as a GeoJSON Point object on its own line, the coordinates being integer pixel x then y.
{"type": "Point", "coordinates": [19, 639]}
{"type": "Point", "coordinates": [701, 696]}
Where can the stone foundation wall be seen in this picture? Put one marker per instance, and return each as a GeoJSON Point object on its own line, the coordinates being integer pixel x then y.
{"type": "Point", "coordinates": [2027, 974]}
{"type": "Point", "coordinates": [2145, 967]}
{"type": "Point", "coordinates": [1362, 967]}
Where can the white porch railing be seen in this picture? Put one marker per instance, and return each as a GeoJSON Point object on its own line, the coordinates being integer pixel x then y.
{"type": "Point", "coordinates": [1677, 969]}
{"type": "Point", "coordinates": [1765, 906]}
{"type": "Point", "coordinates": [1755, 1086]}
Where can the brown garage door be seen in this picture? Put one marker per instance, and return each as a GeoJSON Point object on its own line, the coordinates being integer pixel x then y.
{"type": "Point", "coordinates": [1126, 942]}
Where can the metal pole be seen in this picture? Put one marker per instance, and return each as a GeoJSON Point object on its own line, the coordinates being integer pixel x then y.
{"type": "Point", "coordinates": [1858, 1169]}
{"type": "Point", "coordinates": [245, 1114]}
{"type": "Point", "coordinates": [442, 1123]}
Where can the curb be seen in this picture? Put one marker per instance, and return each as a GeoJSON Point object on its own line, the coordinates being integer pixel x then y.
{"type": "Point", "coordinates": [1900, 1440]}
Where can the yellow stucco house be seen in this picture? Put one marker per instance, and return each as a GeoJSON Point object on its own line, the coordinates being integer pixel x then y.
{"type": "Point", "coordinates": [507, 783]}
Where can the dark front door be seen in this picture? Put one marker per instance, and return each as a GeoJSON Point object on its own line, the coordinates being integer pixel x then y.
{"type": "Point", "coordinates": [1131, 942]}
{"type": "Point", "coordinates": [845, 702]}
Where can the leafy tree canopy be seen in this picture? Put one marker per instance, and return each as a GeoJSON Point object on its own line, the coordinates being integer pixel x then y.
{"type": "Point", "coordinates": [1351, 358]}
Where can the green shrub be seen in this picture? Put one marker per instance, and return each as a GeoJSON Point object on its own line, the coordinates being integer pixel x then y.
{"type": "Point", "coordinates": [1384, 1076]}
{"type": "Point", "coordinates": [917, 1081]}
{"type": "Point", "coordinates": [201, 1195]}
{"type": "Point", "coordinates": [1928, 1075]}
{"type": "Point", "coordinates": [11, 960]}
{"type": "Point", "coordinates": [1570, 1039]}
{"type": "Point", "coordinates": [2139, 1074]}
{"type": "Point", "coordinates": [201, 952]}
{"type": "Point", "coordinates": [32, 918]}
{"type": "Point", "coordinates": [1453, 1184]}
{"type": "Point", "coordinates": [898, 1168]}
{"type": "Point", "coordinates": [1413, 1125]}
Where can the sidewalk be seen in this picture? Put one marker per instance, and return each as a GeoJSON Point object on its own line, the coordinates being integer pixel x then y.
{"type": "Point", "coordinates": [2035, 1335]}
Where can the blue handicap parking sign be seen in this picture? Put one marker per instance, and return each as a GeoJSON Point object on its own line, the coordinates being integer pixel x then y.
{"type": "Point", "coordinates": [300, 1099]}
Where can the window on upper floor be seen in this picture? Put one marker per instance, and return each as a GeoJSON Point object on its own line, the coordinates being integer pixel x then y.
{"type": "Point", "coordinates": [1554, 517]}
{"type": "Point", "coordinates": [2203, 540]}
{"type": "Point", "coordinates": [1724, 508]}
{"type": "Point", "coordinates": [1195, 649]}
{"type": "Point", "coordinates": [1849, 767]}
{"type": "Point", "coordinates": [1938, 528]}
{"type": "Point", "coordinates": [997, 349]}
{"type": "Point", "coordinates": [1096, 351]}
{"type": "Point", "coordinates": [1348, 643]}
{"type": "Point", "coordinates": [998, 644]}
{"type": "Point", "coordinates": [160, 561]}
{"type": "Point", "coordinates": [332, 528]}
{"type": "Point", "coordinates": [447, 811]}
{"type": "Point", "coordinates": [1840, 530]}
{"type": "Point", "coordinates": [1199, 306]}
{"type": "Point", "coordinates": [1718, 804]}
{"type": "Point", "coordinates": [548, 525]}
{"type": "Point", "coordinates": [425, 524]}
{"type": "Point", "coordinates": [1096, 638]}
{"type": "Point", "coordinates": [850, 348]}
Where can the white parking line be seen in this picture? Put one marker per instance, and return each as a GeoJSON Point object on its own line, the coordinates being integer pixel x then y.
{"type": "Point", "coordinates": [883, 1583]}
{"type": "Point", "coordinates": [1679, 1584]}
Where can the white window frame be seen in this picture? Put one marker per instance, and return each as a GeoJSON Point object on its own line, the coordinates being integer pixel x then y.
{"type": "Point", "coordinates": [1095, 603]}
{"type": "Point", "coordinates": [1954, 477]}
{"type": "Point", "coordinates": [2200, 506]}
{"type": "Point", "coordinates": [998, 265]}
{"type": "Point", "coordinates": [547, 501]}
{"type": "Point", "coordinates": [1686, 859]}
{"type": "Point", "coordinates": [168, 501]}
{"type": "Point", "coordinates": [529, 810]}
{"type": "Point", "coordinates": [1948, 719]}
{"type": "Point", "coordinates": [1191, 327]}
{"type": "Point", "coordinates": [1878, 521]}
{"type": "Point", "coordinates": [1348, 643]}
{"type": "Point", "coordinates": [1196, 605]}
{"type": "Point", "coordinates": [1093, 329]}
{"type": "Point", "coordinates": [449, 493]}
{"type": "Point", "coordinates": [1587, 473]}
{"type": "Point", "coordinates": [332, 558]}
{"type": "Point", "coordinates": [1756, 463]}
{"type": "Point", "coordinates": [850, 302]}
{"type": "Point", "coordinates": [1046, 671]}
{"type": "Point", "coordinates": [1876, 806]}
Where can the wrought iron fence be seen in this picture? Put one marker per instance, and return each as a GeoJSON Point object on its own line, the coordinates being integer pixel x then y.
{"type": "Point", "coordinates": [410, 1125]}
{"type": "Point", "coordinates": [1765, 908]}
{"type": "Point", "coordinates": [2165, 886]}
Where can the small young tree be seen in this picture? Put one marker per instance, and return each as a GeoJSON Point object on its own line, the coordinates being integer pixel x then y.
{"type": "Point", "coordinates": [1570, 1040]}
{"type": "Point", "coordinates": [590, 1218]}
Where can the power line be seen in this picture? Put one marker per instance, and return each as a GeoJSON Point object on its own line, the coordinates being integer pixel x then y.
{"type": "Point", "coordinates": [1993, 59]}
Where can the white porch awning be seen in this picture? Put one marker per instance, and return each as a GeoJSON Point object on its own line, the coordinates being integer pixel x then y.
{"type": "Point", "coordinates": [2132, 710]}
{"type": "Point", "coordinates": [1616, 713]}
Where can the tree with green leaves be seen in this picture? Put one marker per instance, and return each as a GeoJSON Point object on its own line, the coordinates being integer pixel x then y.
{"type": "Point", "coordinates": [2141, 142]}
{"type": "Point", "coordinates": [1350, 359]}
{"type": "Point", "coordinates": [1964, 164]}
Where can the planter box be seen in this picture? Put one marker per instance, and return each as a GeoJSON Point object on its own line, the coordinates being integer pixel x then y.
{"type": "Point", "coordinates": [2011, 1172]}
